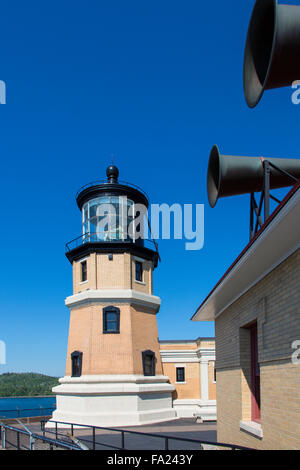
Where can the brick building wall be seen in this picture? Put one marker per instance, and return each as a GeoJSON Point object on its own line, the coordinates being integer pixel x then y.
{"type": "Point", "coordinates": [192, 386]}
{"type": "Point", "coordinates": [197, 394]}
{"type": "Point", "coordinates": [274, 302]}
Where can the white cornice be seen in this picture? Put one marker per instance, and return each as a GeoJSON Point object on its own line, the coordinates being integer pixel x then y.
{"type": "Point", "coordinates": [121, 378]}
{"type": "Point", "coordinates": [113, 385]}
{"type": "Point", "coordinates": [200, 339]}
{"type": "Point", "coordinates": [188, 355]}
{"type": "Point", "coordinates": [277, 242]}
{"type": "Point", "coordinates": [113, 296]}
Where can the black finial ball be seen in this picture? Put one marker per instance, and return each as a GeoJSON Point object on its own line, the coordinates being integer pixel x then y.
{"type": "Point", "coordinates": [112, 173]}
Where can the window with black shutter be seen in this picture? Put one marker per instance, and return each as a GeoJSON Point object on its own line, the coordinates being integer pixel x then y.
{"type": "Point", "coordinates": [83, 271]}
{"type": "Point", "coordinates": [111, 320]}
{"type": "Point", "coordinates": [139, 271]}
{"type": "Point", "coordinates": [148, 358]}
{"type": "Point", "coordinates": [76, 360]}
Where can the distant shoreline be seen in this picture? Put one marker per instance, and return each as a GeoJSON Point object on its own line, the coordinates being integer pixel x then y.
{"type": "Point", "coordinates": [31, 396]}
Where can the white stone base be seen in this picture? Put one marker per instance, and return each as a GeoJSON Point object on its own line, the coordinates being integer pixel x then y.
{"type": "Point", "coordinates": [207, 410]}
{"type": "Point", "coordinates": [113, 400]}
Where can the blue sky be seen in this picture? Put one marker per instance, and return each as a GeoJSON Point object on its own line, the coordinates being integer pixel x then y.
{"type": "Point", "coordinates": [154, 83]}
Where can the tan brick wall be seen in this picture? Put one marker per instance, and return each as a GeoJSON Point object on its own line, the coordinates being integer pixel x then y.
{"type": "Point", "coordinates": [191, 345]}
{"type": "Point", "coordinates": [144, 337]}
{"type": "Point", "coordinates": [191, 389]}
{"type": "Point", "coordinates": [118, 273]}
{"type": "Point", "coordinates": [178, 346]}
{"type": "Point", "coordinates": [113, 274]}
{"type": "Point", "coordinates": [102, 353]}
{"type": "Point", "coordinates": [206, 344]}
{"type": "Point", "coordinates": [274, 302]}
{"type": "Point", "coordinates": [146, 285]}
{"type": "Point", "coordinates": [280, 405]}
{"type": "Point", "coordinates": [91, 282]}
{"type": "Point", "coordinates": [112, 353]}
{"type": "Point", "coordinates": [211, 383]}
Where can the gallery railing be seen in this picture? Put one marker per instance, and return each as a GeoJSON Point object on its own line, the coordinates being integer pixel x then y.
{"type": "Point", "coordinates": [100, 238]}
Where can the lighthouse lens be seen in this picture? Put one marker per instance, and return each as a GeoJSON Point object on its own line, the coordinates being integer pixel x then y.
{"type": "Point", "coordinates": [107, 218]}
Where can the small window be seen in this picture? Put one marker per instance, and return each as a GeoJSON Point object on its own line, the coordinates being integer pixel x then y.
{"type": "Point", "coordinates": [111, 320]}
{"type": "Point", "coordinates": [215, 373]}
{"type": "Point", "coordinates": [148, 358]}
{"type": "Point", "coordinates": [76, 360]}
{"type": "Point", "coordinates": [83, 271]}
{"type": "Point", "coordinates": [180, 374]}
{"type": "Point", "coordinates": [139, 271]}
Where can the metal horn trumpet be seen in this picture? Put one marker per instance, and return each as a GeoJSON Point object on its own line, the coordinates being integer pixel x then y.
{"type": "Point", "coordinates": [272, 52]}
{"type": "Point", "coordinates": [229, 175]}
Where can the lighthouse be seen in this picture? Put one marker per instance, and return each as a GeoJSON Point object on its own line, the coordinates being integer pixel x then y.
{"type": "Point", "coordinates": [114, 371]}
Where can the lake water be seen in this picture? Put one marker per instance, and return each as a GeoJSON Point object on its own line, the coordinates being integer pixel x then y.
{"type": "Point", "coordinates": [29, 406]}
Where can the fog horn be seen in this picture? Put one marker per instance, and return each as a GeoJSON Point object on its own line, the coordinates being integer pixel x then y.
{"type": "Point", "coordinates": [229, 175]}
{"type": "Point", "coordinates": [272, 52]}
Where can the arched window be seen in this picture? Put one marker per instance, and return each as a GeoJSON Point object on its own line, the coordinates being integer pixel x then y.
{"type": "Point", "coordinates": [111, 320]}
{"type": "Point", "coordinates": [76, 359]}
{"type": "Point", "coordinates": [148, 358]}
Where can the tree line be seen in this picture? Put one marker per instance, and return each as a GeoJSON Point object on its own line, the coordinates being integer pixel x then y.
{"type": "Point", "coordinates": [26, 384]}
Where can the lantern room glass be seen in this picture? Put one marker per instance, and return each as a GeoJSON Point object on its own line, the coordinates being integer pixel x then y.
{"type": "Point", "coordinates": [108, 218]}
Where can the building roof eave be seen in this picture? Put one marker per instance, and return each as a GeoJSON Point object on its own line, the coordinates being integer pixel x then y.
{"type": "Point", "coordinates": [278, 238]}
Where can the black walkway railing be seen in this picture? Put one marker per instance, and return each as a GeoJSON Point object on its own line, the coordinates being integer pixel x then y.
{"type": "Point", "coordinates": [93, 441]}
{"type": "Point", "coordinates": [23, 439]}
{"type": "Point", "coordinates": [26, 412]}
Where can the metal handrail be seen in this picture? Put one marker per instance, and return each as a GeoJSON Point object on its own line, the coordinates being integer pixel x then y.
{"type": "Point", "coordinates": [97, 182]}
{"type": "Point", "coordinates": [166, 437]}
{"type": "Point", "coordinates": [41, 409]}
{"type": "Point", "coordinates": [33, 437]}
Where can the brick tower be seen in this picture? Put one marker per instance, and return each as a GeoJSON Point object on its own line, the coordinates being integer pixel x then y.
{"type": "Point", "coordinates": [114, 371]}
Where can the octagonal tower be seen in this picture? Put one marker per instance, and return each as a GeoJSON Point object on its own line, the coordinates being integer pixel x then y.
{"type": "Point", "coordinates": [113, 369]}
